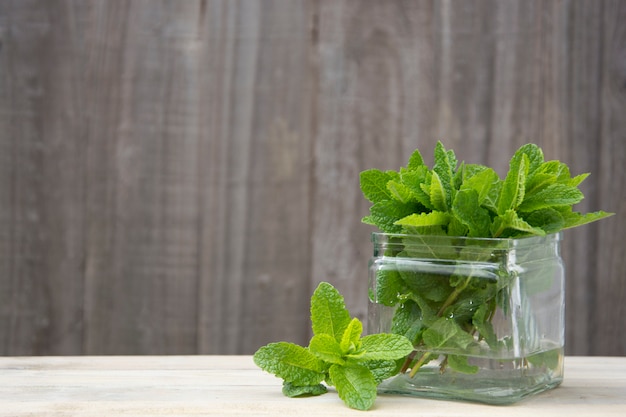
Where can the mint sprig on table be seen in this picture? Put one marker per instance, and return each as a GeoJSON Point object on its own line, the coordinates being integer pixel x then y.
{"type": "Point", "coordinates": [424, 206]}
{"type": "Point", "coordinates": [336, 355]}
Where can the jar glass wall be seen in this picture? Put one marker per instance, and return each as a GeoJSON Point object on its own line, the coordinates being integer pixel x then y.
{"type": "Point", "coordinates": [486, 316]}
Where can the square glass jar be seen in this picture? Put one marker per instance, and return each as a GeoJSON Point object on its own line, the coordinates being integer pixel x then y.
{"type": "Point", "coordinates": [486, 316]}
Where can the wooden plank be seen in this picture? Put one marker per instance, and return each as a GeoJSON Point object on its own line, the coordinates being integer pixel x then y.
{"type": "Point", "coordinates": [610, 263]}
{"type": "Point", "coordinates": [233, 385]}
{"type": "Point", "coordinates": [143, 141]}
{"type": "Point", "coordinates": [256, 183]}
{"type": "Point", "coordinates": [42, 174]}
{"type": "Point", "coordinates": [580, 87]}
{"type": "Point", "coordinates": [374, 108]}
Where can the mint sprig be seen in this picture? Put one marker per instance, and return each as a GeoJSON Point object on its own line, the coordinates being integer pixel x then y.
{"type": "Point", "coordinates": [426, 206]}
{"type": "Point", "coordinates": [336, 355]}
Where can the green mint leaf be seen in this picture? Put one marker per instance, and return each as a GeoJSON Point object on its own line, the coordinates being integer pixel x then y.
{"type": "Point", "coordinates": [325, 347]}
{"type": "Point", "coordinates": [445, 333]}
{"type": "Point", "coordinates": [445, 168]}
{"type": "Point", "coordinates": [351, 339]}
{"type": "Point", "coordinates": [456, 228]}
{"type": "Point", "coordinates": [510, 222]}
{"type": "Point", "coordinates": [355, 385]}
{"type": "Point", "coordinates": [328, 312]}
{"type": "Point", "coordinates": [574, 219]}
{"type": "Point", "coordinates": [459, 363]}
{"type": "Point", "coordinates": [534, 154]}
{"type": "Point", "coordinates": [431, 286]}
{"type": "Point", "coordinates": [549, 220]}
{"type": "Point", "coordinates": [407, 321]}
{"type": "Point", "coordinates": [292, 391]}
{"type": "Point", "coordinates": [384, 346]}
{"type": "Point", "coordinates": [374, 185]}
{"type": "Point", "coordinates": [434, 218]}
{"type": "Point", "coordinates": [575, 182]}
{"type": "Point", "coordinates": [429, 310]}
{"type": "Point", "coordinates": [481, 321]}
{"type": "Point", "coordinates": [438, 194]}
{"type": "Point", "coordinates": [557, 169]}
{"type": "Point", "coordinates": [468, 211]}
{"type": "Point", "coordinates": [383, 369]}
{"type": "Point", "coordinates": [389, 286]}
{"type": "Point", "coordinates": [548, 358]}
{"type": "Point", "coordinates": [384, 215]}
{"type": "Point", "coordinates": [483, 183]}
{"type": "Point", "coordinates": [552, 196]}
{"type": "Point", "coordinates": [415, 161]}
{"type": "Point", "coordinates": [400, 192]}
{"type": "Point", "coordinates": [538, 182]}
{"type": "Point", "coordinates": [512, 192]}
{"type": "Point", "coordinates": [290, 362]}
{"type": "Point", "coordinates": [416, 180]}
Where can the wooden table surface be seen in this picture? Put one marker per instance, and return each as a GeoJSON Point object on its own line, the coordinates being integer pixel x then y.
{"type": "Point", "coordinates": [234, 386]}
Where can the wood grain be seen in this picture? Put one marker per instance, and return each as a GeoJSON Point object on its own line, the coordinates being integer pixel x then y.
{"type": "Point", "coordinates": [234, 386]}
{"type": "Point", "coordinates": [177, 176]}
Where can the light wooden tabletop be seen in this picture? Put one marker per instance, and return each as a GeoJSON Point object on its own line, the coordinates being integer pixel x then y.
{"type": "Point", "coordinates": [234, 386]}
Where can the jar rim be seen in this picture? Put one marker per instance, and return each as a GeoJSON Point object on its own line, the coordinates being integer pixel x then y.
{"type": "Point", "coordinates": [441, 240]}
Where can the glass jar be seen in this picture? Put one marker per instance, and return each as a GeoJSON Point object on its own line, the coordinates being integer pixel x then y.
{"type": "Point", "coordinates": [486, 316]}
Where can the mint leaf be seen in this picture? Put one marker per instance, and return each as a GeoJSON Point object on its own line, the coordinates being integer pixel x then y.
{"type": "Point", "coordinates": [512, 193]}
{"type": "Point", "coordinates": [415, 161]}
{"type": "Point", "coordinates": [385, 346]}
{"type": "Point", "coordinates": [548, 358]}
{"type": "Point", "coordinates": [355, 385]}
{"type": "Point", "coordinates": [553, 195]}
{"type": "Point", "coordinates": [534, 154]}
{"type": "Point", "coordinates": [575, 182]}
{"type": "Point", "coordinates": [400, 192]}
{"type": "Point", "coordinates": [513, 223]}
{"type": "Point", "coordinates": [459, 363]}
{"type": "Point", "coordinates": [483, 183]}
{"type": "Point", "coordinates": [290, 362]}
{"type": "Point", "coordinates": [325, 347]}
{"type": "Point", "coordinates": [444, 169]}
{"type": "Point", "coordinates": [549, 220]}
{"type": "Point", "coordinates": [481, 320]}
{"type": "Point", "coordinates": [438, 194]}
{"type": "Point", "coordinates": [389, 286]}
{"type": "Point", "coordinates": [328, 312]}
{"type": "Point", "coordinates": [446, 334]}
{"type": "Point", "coordinates": [384, 215]}
{"type": "Point", "coordinates": [573, 219]}
{"type": "Point", "coordinates": [434, 218]}
{"type": "Point", "coordinates": [374, 185]}
{"type": "Point", "coordinates": [431, 286]}
{"type": "Point", "coordinates": [292, 391]}
{"type": "Point", "coordinates": [407, 321]}
{"type": "Point", "coordinates": [467, 210]}
{"type": "Point", "coordinates": [414, 179]}
{"type": "Point", "coordinates": [382, 369]}
{"type": "Point", "coordinates": [351, 339]}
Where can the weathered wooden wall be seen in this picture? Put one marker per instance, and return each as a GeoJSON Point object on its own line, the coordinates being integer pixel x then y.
{"type": "Point", "coordinates": [177, 176]}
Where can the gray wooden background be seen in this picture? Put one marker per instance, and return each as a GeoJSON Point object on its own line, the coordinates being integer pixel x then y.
{"type": "Point", "coordinates": [177, 176]}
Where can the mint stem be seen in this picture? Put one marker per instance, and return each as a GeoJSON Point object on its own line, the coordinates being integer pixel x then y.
{"type": "Point", "coordinates": [449, 301]}
{"type": "Point", "coordinates": [419, 363]}
{"type": "Point", "coordinates": [453, 296]}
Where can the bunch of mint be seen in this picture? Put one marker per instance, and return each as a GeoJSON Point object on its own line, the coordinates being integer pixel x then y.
{"type": "Point", "coordinates": [535, 198]}
{"type": "Point", "coordinates": [427, 207]}
{"type": "Point", "coordinates": [336, 355]}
